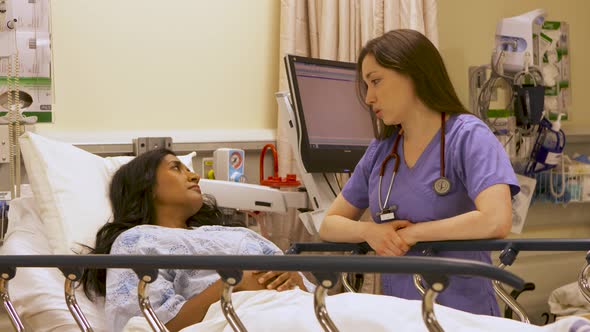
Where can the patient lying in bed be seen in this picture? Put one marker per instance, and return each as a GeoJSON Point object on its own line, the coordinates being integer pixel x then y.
{"type": "Point", "coordinates": [46, 224]}
{"type": "Point", "coordinates": [177, 292]}
{"type": "Point", "coordinates": [158, 209]}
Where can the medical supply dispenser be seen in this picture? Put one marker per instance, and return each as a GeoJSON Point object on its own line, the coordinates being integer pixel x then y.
{"type": "Point", "coordinates": [517, 36]}
{"type": "Point", "coordinates": [229, 164]}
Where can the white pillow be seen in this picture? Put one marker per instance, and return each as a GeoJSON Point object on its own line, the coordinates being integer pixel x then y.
{"type": "Point", "coordinates": [71, 189]}
{"type": "Point", "coordinates": [38, 293]}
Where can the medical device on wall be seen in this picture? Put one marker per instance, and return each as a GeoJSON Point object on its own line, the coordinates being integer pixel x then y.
{"type": "Point", "coordinates": [25, 29]}
{"type": "Point", "coordinates": [333, 127]}
{"type": "Point", "coordinates": [327, 127]}
{"type": "Point", "coordinates": [522, 94]}
{"type": "Point", "coordinates": [518, 38]}
{"type": "Point", "coordinates": [228, 187]}
{"type": "Point", "coordinates": [229, 164]}
{"type": "Point", "coordinates": [25, 83]}
{"type": "Point", "coordinates": [14, 102]}
{"type": "Point", "coordinates": [522, 87]}
{"type": "Point", "coordinates": [207, 169]}
{"type": "Point", "coordinates": [548, 149]}
{"type": "Point", "coordinates": [274, 180]}
{"type": "Point", "coordinates": [244, 196]}
{"type": "Point", "coordinates": [315, 185]}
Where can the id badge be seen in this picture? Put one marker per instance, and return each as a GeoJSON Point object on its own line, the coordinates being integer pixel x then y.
{"type": "Point", "coordinates": [387, 214]}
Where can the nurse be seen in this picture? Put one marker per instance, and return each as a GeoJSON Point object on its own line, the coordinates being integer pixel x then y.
{"type": "Point", "coordinates": [434, 172]}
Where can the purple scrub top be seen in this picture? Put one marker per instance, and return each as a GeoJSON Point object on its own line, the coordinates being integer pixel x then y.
{"type": "Point", "coordinates": [474, 161]}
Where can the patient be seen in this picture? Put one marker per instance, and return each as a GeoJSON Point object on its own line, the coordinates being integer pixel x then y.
{"type": "Point", "coordinates": [158, 209]}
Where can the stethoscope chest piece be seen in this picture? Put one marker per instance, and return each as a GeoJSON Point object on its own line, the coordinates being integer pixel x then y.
{"type": "Point", "coordinates": [442, 186]}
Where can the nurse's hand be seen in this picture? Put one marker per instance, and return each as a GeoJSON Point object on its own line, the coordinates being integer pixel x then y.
{"type": "Point", "coordinates": [407, 235]}
{"type": "Point", "coordinates": [384, 238]}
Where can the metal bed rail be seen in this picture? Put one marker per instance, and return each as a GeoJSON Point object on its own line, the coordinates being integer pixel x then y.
{"type": "Point", "coordinates": [324, 269]}
{"type": "Point", "coordinates": [455, 245]}
{"type": "Point", "coordinates": [509, 251]}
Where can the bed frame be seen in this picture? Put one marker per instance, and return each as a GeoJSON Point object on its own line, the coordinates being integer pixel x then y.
{"type": "Point", "coordinates": [509, 251]}
{"type": "Point", "coordinates": [430, 271]}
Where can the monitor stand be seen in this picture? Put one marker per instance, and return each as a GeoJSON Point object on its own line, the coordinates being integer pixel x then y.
{"type": "Point", "coordinates": [318, 190]}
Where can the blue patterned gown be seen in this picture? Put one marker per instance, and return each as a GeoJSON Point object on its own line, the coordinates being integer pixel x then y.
{"type": "Point", "coordinates": [174, 287]}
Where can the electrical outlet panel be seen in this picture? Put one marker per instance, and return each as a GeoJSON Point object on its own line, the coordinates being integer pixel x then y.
{"type": "Point", "coordinates": [145, 144]}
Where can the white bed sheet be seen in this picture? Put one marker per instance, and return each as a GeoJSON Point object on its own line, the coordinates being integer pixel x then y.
{"type": "Point", "coordinates": [38, 294]}
{"type": "Point", "coordinates": [293, 311]}
{"type": "Point", "coordinates": [568, 300]}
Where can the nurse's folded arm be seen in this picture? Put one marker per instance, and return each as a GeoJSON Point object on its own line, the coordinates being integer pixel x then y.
{"type": "Point", "coordinates": [492, 219]}
{"type": "Point", "coordinates": [341, 225]}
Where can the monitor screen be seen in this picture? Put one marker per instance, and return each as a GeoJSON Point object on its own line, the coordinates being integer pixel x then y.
{"type": "Point", "coordinates": [333, 125]}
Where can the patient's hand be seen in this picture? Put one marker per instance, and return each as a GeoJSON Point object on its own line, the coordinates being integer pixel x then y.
{"type": "Point", "coordinates": [280, 280]}
{"type": "Point", "coordinates": [249, 282]}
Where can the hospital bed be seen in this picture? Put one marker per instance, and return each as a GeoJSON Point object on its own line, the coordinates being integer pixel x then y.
{"type": "Point", "coordinates": [67, 204]}
{"type": "Point", "coordinates": [509, 248]}
{"type": "Point", "coordinates": [230, 267]}
{"type": "Point", "coordinates": [38, 280]}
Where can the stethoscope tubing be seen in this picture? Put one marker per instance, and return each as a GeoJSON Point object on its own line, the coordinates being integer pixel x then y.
{"type": "Point", "coordinates": [388, 190]}
{"type": "Point", "coordinates": [393, 154]}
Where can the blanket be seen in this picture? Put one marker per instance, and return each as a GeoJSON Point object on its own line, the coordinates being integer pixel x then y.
{"type": "Point", "coordinates": [568, 300]}
{"type": "Point", "coordinates": [293, 311]}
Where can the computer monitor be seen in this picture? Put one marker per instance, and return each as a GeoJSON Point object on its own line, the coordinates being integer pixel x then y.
{"type": "Point", "coordinates": [334, 127]}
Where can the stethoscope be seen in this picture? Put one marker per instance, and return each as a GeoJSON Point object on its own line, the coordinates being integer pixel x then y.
{"type": "Point", "coordinates": [441, 186]}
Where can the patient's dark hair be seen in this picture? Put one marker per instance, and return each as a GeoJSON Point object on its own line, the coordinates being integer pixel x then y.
{"type": "Point", "coordinates": [131, 195]}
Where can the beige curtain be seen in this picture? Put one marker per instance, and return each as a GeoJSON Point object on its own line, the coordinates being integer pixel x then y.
{"type": "Point", "coordinates": [336, 30]}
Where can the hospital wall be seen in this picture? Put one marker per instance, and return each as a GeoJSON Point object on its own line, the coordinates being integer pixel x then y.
{"type": "Point", "coordinates": [201, 72]}
{"type": "Point", "coordinates": [466, 38]}
{"type": "Point", "coordinates": [171, 66]}
{"type": "Point", "coordinates": [151, 64]}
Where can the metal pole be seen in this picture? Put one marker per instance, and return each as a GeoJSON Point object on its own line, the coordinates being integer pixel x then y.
{"type": "Point", "coordinates": [319, 305]}
{"type": "Point", "coordinates": [70, 294]}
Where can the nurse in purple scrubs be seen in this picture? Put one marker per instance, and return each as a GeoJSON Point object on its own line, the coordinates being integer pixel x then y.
{"type": "Point", "coordinates": [434, 172]}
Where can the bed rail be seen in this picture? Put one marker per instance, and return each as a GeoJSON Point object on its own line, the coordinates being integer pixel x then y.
{"type": "Point", "coordinates": [509, 251]}
{"type": "Point", "coordinates": [324, 268]}
{"type": "Point", "coordinates": [514, 244]}
{"type": "Point", "coordinates": [458, 245]}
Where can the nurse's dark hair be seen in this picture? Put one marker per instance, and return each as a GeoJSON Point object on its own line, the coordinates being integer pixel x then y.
{"type": "Point", "coordinates": [131, 194]}
{"type": "Point", "coordinates": [410, 53]}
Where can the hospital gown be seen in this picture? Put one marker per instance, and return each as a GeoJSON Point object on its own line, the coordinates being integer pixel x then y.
{"type": "Point", "coordinates": [173, 288]}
